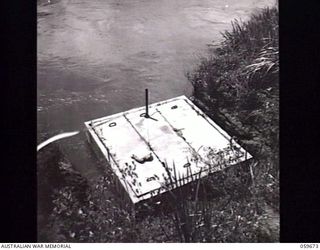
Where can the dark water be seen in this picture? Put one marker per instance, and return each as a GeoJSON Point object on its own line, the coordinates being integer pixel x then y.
{"type": "Point", "coordinates": [96, 57]}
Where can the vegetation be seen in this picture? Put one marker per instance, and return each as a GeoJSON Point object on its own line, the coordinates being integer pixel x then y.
{"type": "Point", "coordinates": [237, 85]}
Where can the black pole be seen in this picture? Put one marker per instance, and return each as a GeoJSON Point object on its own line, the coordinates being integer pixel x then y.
{"type": "Point", "coordinates": [147, 110]}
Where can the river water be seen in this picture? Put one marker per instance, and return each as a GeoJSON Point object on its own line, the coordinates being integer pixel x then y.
{"type": "Point", "coordinates": [96, 57]}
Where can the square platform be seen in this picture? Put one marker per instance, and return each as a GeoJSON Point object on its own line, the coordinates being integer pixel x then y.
{"type": "Point", "coordinates": [177, 133]}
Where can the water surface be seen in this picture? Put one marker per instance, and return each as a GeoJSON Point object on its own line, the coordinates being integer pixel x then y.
{"type": "Point", "coordinates": [96, 57]}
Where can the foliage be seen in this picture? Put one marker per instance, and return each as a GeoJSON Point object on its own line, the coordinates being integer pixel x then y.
{"type": "Point", "coordinates": [238, 84]}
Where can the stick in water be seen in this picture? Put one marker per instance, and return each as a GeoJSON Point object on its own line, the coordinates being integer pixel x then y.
{"type": "Point", "coordinates": [55, 138]}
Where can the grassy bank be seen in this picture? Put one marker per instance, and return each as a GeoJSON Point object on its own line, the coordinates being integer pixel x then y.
{"type": "Point", "coordinates": [237, 85]}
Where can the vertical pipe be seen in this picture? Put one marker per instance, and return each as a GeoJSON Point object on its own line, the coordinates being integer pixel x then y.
{"type": "Point", "coordinates": [147, 103]}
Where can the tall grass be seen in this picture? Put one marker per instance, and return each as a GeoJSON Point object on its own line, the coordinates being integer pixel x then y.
{"type": "Point", "coordinates": [222, 207]}
{"type": "Point", "coordinates": [246, 60]}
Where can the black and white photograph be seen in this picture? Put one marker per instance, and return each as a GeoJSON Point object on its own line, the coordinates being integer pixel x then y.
{"type": "Point", "coordinates": [158, 121]}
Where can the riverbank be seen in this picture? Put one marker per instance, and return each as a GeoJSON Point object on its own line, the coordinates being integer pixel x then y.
{"type": "Point", "coordinates": [238, 86]}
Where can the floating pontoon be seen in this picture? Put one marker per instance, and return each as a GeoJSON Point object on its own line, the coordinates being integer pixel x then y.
{"type": "Point", "coordinates": [147, 146]}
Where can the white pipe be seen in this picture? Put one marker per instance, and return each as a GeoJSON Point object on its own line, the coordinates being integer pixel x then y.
{"type": "Point", "coordinates": [56, 137]}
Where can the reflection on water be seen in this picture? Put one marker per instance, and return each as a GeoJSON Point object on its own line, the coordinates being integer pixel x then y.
{"type": "Point", "coordinates": [96, 57]}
